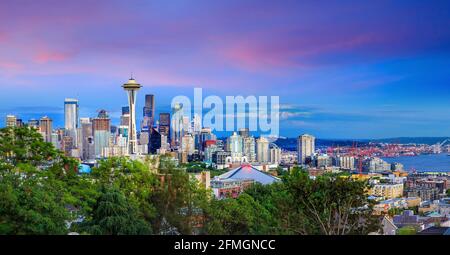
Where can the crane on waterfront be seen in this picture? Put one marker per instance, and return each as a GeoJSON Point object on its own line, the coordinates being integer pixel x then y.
{"type": "Point", "coordinates": [444, 142]}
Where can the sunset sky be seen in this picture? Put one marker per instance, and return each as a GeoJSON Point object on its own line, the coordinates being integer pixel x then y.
{"type": "Point", "coordinates": [342, 69]}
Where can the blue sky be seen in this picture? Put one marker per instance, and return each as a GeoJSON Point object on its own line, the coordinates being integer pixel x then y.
{"type": "Point", "coordinates": [342, 69]}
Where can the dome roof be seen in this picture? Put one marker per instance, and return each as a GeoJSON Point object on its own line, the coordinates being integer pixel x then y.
{"type": "Point", "coordinates": [131, 81]}
{"type": "Point", "coordinates": [249, 172]}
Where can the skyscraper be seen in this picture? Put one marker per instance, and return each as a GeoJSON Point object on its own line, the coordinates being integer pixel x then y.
{"type": "Point", "coordinates": [125, 110]}
{"type": "Point", "coordinates": [249, 147]}
{"type": "Point", "coordinates": [149, 112]}
{"type": "Point", "coordinates": [67, 145]}
{"type": "Point", "coordinates": [71, 118]}
{"type": "Point", "coordinates": [33, 123]}
{"type": "Point", "coordinates": [244, 132]}
{"type": "Point", "coordinates": [262, 150]}
{"type": "Point", "coordinates": [88, 149]}
{"type": "Point", "coordinates": [275, 155]}
{"type": "Point", "coordinates": [234, 145]}
{"type": "Point", "coordinates": [196, 124]}
{"type": "Point", "coordinates": [205, 135]}
{"type": "Point", "coordinates": [305, 147]}
{"type": "Point", "coordinates": [177, 124]}
{"type": "Point", "coordinates": [164, 124]}
{"type": "Point", "coordinates": [155, 142]}
{"type": "Point", "coordinates": [132, 87]}
{"type": "Point", "coordinates": [101, 130]}
{"type": "Point", "coordinates": [11, 120]}
{"type": "Point", "coordinates": [187, 144]}
{"type": "Point", "coordinates": [19, 123]}
{"type": "Point", "coordinates": [46, 128]}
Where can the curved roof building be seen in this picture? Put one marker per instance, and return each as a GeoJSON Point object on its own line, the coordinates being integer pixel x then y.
{"type": "Point", "coordinates": [248, 172]}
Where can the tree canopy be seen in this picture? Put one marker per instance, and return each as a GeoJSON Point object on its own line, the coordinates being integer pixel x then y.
{"type": "Point", "coordinates": [42, 193]}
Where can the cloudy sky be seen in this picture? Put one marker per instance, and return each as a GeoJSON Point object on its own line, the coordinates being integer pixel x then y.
{"type": "Point", "coordinates": [342, 69]}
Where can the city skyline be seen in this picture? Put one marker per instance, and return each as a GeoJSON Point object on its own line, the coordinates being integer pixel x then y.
{"type": "Point", "coordinates": [342, 70]}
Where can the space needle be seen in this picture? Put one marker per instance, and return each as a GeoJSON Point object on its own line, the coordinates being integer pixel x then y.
{"type": "Point", "coordinates": [131, 87]}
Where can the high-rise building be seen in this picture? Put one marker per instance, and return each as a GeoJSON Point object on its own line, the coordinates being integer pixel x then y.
{"type": "Point", "coordinates": [71, 118]}
{"type": "Point", "coordinates": [323, 161]}
{"type": "Point", "coordinates": [234, 145]}
{"type": "Point", "coordinates": [149, 112]}
{"type": "Point", "coordinates": [101, 131]}
{"type": "Point", "coordinates": [33, 123]}
{"type": "Point", "coordinates": [196, 124]}
{"type": "Point", "coordinates": [275, 155]}
{"type": "Point", "coordinates": [187, 144]}
{"type": "Point", "coordinates": [144, 137]}
{"type": "Point", "coordinates": [156, 140]}
{"type": "Point", "coordinates": [305, 148]}
{"type": "Point", "coordinates": [125, 110]}
{"type": "Point", "coordinates": [67, 145]}
{"type": "Point", "coordinates": [132, 87]}
{"type": "Point", "coordinates": [87, 141]}
{"type": "Point", "coordinates": [125, 119]}
{"type": "Point", "coordinates": [262, 150]}
{"type": "Point", "coordinates": [177, 124]}
{"type": "Point", "coordinates": [164, 124]}
{"type": "Point", "coordinates": [345, 162]}
{"type": "Point", "coordinates": [46, 128]}
{"type": "Point", "coordinates": [187, 127]}
{"type": "Point", "coordinates": [220, 157]}
{"type": "Point", "coordinates": [249, 148]}
{"type": "Point", "coordinates": [124, 122]}
{"type": "Point", "coordinates": [244, 132]}
{"type": "Point", "coordinates": [210, 147]}
{"type": "Point", "coordinates": [55, 141]}
{"type": "Point", "coordinates": [11, 120]}
{"type": "Point", "coordinates": [205, 135]}
{"type": "Point", "coordinates": [19, 123]}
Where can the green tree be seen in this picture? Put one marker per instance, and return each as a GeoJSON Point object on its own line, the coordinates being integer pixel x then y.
{"type": "Point", "coordinates": [240, 216]}
{"type": "Point", "coordinates": [30, 203]}
{"type": "Point", "coordinates": [36, 193]}
{"type": "Point", "coordinates": [114, 214]}
{"type": "Point", "coordinates": [179, 199]}
{"type": "Point", "coordinates": [328, 205]}
{"type": "Point", "coordinates": [331, 205]}
{"type": "Point", "coordinates": [26, 145]}
{"type": "Point", "coordinates": [132, 178]}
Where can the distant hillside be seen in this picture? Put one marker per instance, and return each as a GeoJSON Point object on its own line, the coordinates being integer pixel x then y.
{"type": "Point", "coordinates": [291, 143]}
{"type": "Point", "coordinates": [416, 140]}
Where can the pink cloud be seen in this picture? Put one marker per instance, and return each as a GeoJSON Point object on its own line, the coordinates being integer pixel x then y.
{"type": "Point", "coordinates": [9, 65]}
{"type": "Point", "coordinates": [2, 37]}
{"type": "Point", "coordinates": [260, 53]}
{"type": "Point", "coordinates": [50, 56]}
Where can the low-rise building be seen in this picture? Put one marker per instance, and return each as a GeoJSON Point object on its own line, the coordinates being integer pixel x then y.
{"type": "Point", "coordinates": [425, 193]}
{"type": "Point", "coordinates": [413, 201]}
{"type": "Point", "coordinates": [387, 190]}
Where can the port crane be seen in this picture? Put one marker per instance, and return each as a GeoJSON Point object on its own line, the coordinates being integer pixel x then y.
{"type": "Point", "coordinates": [444, 142]}
{"type": "Point", "coordinates": [357, 153]}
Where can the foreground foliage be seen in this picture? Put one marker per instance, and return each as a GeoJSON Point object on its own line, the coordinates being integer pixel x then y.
{"type": "Point", "coordinates": [42, 193]}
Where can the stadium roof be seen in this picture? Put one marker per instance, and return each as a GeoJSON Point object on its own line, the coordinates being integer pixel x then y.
{"type": "Point", "coordinates": [247, 172]}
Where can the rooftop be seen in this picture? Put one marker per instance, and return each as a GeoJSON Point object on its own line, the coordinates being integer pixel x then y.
{"type": "Point", "coordinates": [131, 84]}
{"type": "Point", "coordinates": [247, 171]}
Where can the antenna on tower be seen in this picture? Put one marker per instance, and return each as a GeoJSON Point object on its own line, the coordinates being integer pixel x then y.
{"type": "Point", "coordinates": [132, 75]}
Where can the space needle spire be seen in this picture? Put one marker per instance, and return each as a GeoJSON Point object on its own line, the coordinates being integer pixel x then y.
{"type": "Point", "coordinates": [132, 87]}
